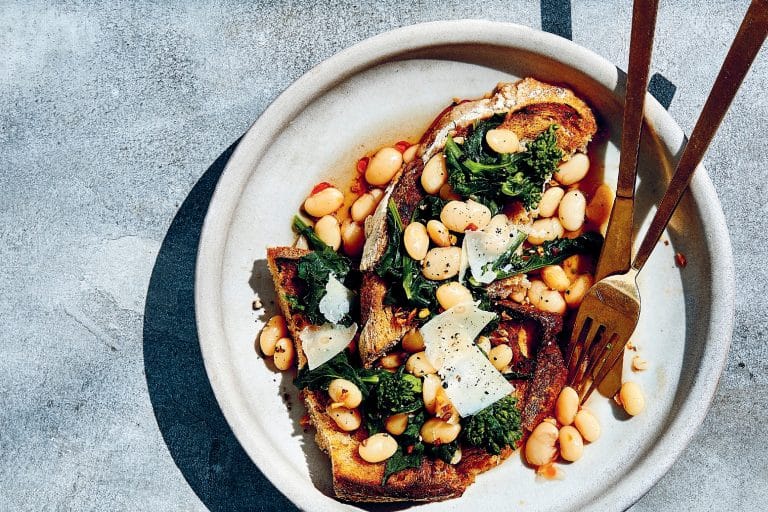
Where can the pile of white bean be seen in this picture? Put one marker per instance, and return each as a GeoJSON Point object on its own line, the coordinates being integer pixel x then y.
{"type": "Point", "coordinates": [573, 425]}
{"type": "Point", "coordinates": [275, 343]}
{"type": "Point", "coordinates": [326, 200]}
{"type": "Point", "coordinates": [576, 425]}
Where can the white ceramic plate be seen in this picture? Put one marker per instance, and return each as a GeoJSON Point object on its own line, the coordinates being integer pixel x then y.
{"type": "Point", "coordinates": [388, 88]}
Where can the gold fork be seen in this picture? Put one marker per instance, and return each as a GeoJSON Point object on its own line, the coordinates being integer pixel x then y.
{"type": "Point", "coordinates": [609, 312]}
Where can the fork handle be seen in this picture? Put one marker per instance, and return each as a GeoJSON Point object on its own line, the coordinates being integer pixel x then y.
{"type": "Point", "coordinates": [742, 53]}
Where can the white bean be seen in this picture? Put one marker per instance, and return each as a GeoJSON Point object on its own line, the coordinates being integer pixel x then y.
{"type": "Point", "coordinates": [377, 448]}
{"type": "Point", "coordinates": [418, 365]}
{"type": "Point", "coordinates": [324, 202]}
{"type": "Point", "coordinates": [327, 228]}
{"type": "Point", "coordinates": [434, 175]}
{"type": "Point", "coordinates": [377, 194]}
{"type": "Point", "coordinates": [552, 301]}
{"type": "Point", "coordinates": [450, 294]}
{"type": "Point", "coordinates": [274, 329]}
{"type": "Point", "coordinates": [416, 240]}
{"type": "Point", "coordinates": [396, 424]}
{"type": "Point", "coordinates": [500, 356]}
{"type": "Point", "coordinates": [429, 387]}
{"type": "Point", "coordinates": [352, 237]}
{"type": "Point", "coordinates": [410, 154]}
{"type": "Point", "coordinates": [346, 419]}
{"type": "Point", "coordinates": [484, 343]}
{"type": "Point", "coordinates": [550, 200]}
{"type": "Point", "coordinates": [544, 230]}
{"type": "Point", "coordinates": [502, 141]}
{"type": "Point", "coordinates": [458, 216]}
{"type": "Point", "coordinates": [540, 447]}
{"type": "Point", "coordinates": [588, 426]}
{"type": "Point", "coordinates": [599, 207]}
{"type": "Point", "coordinates": [363, 207]}
{"type": "Point", "coordinates": [555, 277]}
{"type": "Point", "coordinates": [438, 233]}
{"type": "Point", "coordinates": [345, 393]}
{"type": "Point", "coordinates": [576, 291]}
{"type": "Point", "coordinates": [412, 341]}
{"type": "Point", "coordinates": [567, 405]}
{"type": "Point", "coordinates": [436, 431]}
{"type": "Point", "coordinates": [572, 210]}
{"type": "Point", "coordinates": [535, 291]}
{"type": "Point", "coordinates": [444, 409]}
{"type": "Point", "coordinates": [573, 170]}
{"type": "Point", "coordinates": [441, 263]}
{"type": "Point", "coordinates": [632, 398]}
{"type": "Point", "coordinates": [571, 443]}
{"type": "Point", "coordinates": [383, 166]}
{"type": "Point", "coordinates": [285, 354]}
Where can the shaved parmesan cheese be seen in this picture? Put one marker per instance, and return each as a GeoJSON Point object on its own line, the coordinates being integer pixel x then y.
{"type": "Point", "coordinates": [336, 301]}
{"type": "Point", "coordinates": [482, 248]}
{"type": "Point", "coordinates": [470, 380]}
{"type": "Point", "coordinates": [321, 342]}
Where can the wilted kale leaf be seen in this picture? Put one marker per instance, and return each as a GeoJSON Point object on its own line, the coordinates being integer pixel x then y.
{"type": "Point", "coordinates": [315, 269]}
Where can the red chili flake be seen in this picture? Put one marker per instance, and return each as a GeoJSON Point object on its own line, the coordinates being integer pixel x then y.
{"type": "Point", "coordinates": [359, 186]}
{"type": "Point", "coordinates": [362, 164]}
{"type": "Point", "coordinates": [471, 227]}
{"type": "Point", "coordinates": [409, 449]}
{"type": "Point", "coordinates": [680, 260]}
{"type": "Point", "coordinates": [402, 145]}
{"type": "Point", "coordinates": [320, 186]}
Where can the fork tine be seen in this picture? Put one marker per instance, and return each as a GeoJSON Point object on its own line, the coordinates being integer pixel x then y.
{"type": "Point", "coordinates": [599, 352]}
{"type": "Point", "coordinates": [610, 361]}
{"type": "Point", "coordinates": [585, 344]}
{"type": "Point", "coordinates": [580, 328]}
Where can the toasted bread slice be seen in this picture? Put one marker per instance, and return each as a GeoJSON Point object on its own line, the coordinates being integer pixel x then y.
{"type": "Point", "coordinates": [357, 480]}
{"type": "Point", "coordinates": [531, 107]}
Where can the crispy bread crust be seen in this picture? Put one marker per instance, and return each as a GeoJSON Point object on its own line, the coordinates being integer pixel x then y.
{"type": "Point", "coordinates": [360, 481]}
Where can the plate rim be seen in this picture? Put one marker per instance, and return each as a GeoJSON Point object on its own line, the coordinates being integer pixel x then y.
{"type": "Point", "coordinates": [386, 47]}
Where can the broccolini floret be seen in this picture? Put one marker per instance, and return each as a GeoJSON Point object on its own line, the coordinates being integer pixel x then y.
{"type": "Point", "coordinates": [495, 427]}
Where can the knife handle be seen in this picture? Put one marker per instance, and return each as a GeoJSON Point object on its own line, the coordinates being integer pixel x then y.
{"type": "Point", "coordinates": [616, 254]}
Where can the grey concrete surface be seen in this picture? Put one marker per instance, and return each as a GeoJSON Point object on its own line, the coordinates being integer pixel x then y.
{"type": "Point", "coordinates": [115, 122]}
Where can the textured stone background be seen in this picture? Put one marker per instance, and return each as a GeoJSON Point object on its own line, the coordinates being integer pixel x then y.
{"type": "Point", "coordinates": [116, 121]}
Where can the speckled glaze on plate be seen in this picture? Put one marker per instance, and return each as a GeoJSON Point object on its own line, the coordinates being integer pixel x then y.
{"type": "Point", "coordinates": [390, 87]}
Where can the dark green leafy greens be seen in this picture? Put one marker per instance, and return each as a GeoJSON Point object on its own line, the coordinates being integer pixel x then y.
{"type": "Point", "coordinates": [428, 208]}
{"type": "Point", "coordinates": [444, 451]}
{"type": "Point", "coordinates": [410, 451]}
{"type": "Point", "coordinates": [549, 253]}
{"type": "Point", "coordinates": [411, 457]}
{"type": "Point", "coordinates": [338, 367]}
{"type": "Point", "coordinates": [478, 172]}
{"type": "Point", "coordinates": [409, 286]}
{"type": "Point", "coordinates": [495, 427]}
{"type": "Point", "coordinates": [315, 269]}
